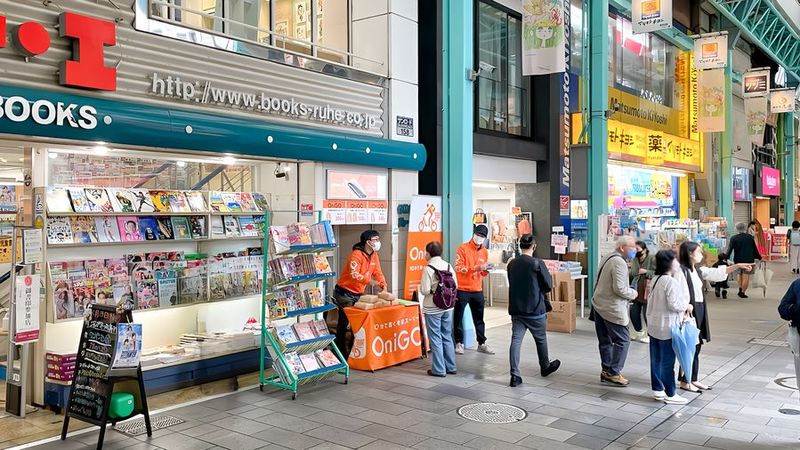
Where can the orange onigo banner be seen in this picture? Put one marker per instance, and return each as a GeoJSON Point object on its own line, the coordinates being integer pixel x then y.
{"type": "Point", "coordinates": [424, 225]}
{"type": "Point", "coordinates": [384, 337]}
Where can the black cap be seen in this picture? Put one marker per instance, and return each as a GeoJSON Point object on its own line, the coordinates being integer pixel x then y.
{"type": "Point", "coordinates": [481, 230]}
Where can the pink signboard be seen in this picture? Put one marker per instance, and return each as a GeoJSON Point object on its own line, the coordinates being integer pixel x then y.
{"type": "Point", "coordinates": [770, 181]}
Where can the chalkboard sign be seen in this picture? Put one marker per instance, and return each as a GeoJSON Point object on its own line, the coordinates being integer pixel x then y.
{"type": "Point", "coordinates": [91, 388]}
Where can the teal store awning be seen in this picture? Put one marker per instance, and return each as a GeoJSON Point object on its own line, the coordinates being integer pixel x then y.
{"type": "Point", "coordinates": [40, 113]}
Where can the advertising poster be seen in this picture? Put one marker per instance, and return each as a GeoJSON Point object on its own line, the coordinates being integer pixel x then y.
{"type": "Point", "coordinates": [711, 52]}
{"type": "Point", "coordinates": [781, 101]}
{"type": "Point", "coordinates": [128, 350]}
{"type": "Point", "coordinates": [26, 295]}
{"type": "Point", "coordinates": [633, 193]}
{"type": "Point", "coordinates": [8, 198]}
{"type": "Point", "coordinates": [711, 101]}
{"type": "Point", "coordinates": [343, 185]}
{"type": "Point", "coordinates": [769, 183]}
{"type": "Point", "coordinates": [755, 83]}
{"type": "Point", "coordinates": [651, 15]}
{"type": "Point", "coordinates": [755, 112]}
{"type": "Point", "coordinates": [425, 225]}
{"type": "Point", "coordinates": [543, 37]}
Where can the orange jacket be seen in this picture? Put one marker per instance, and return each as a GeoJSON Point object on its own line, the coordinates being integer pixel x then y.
{"type": "Point", "coordinates": [468, 256]}
{"type": "Point", "coordinates": [359, 270]}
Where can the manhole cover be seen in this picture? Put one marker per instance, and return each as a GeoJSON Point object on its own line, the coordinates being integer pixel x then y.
{"type": "Point", "coordinates": [137, 427]}
{"type": "Point", "coordinates": [790, 412]}
{"type": "Point", "coordinates": [492, 413]}
{"type": "Point", "coordinates": [768, 342]}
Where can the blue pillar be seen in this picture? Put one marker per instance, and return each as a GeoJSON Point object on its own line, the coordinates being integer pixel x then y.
{"type": "Point", "coordinates": [725, 194]}
{"type": "Point", "coordinates": [789, 138]}
{"type": "Point", "coordinates": [598, 131]}
{"type": "Point", "coordinates": [457, 99]}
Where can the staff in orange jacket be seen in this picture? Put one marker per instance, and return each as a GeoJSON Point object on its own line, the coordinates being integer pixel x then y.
{"type": "Point", "coordinates": [471, 267]}
{"type": "Point", "coordinates": [362, 269]}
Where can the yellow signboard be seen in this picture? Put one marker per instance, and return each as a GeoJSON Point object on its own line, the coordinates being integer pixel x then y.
{"type": "Point", "coordinates": [653, 148]}
{"type": "Point", "coordinates": [644, 113]}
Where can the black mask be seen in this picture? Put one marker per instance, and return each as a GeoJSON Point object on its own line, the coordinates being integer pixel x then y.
{"type": "Point", "coordinates": [639, 254]}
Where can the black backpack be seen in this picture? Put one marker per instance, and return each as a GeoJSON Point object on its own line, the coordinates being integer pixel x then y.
{"type": "Point", "coordinates": [444, 297]}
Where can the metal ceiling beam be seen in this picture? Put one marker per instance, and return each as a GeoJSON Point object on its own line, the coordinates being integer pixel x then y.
{"type": "Point", "coordinates": [766, 27]}
{"type": "Point", "coordinates": [673, 35]}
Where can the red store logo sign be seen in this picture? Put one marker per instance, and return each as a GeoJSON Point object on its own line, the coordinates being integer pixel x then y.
{"type": "Point", "coordinates": [90, 36]}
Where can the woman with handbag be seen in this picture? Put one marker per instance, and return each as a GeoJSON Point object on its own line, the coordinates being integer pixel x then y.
{"type": "Point", "coordinates": [690, 279]}
{"type": "Point", "coordinates": [642, 269]}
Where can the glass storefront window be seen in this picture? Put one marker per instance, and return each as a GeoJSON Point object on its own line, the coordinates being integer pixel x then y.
{"type": "Point", "coordinates": [502, 91]}
{"type": "Point", "coordinates": [293, 20]}
{"type": "Point", "coordinates": [332, 31]}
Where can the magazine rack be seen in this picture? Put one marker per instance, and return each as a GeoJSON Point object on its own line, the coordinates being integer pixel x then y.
{"type": "Point", "coordinates": [281, 375]}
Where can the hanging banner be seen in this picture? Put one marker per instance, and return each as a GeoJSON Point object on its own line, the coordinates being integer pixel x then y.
{"type": "Point", "coordinates": [755, 112]}
{"type": "Point", "coordinates": [651, 15]}
{"type": "Point", "coordinates": [711, 52]}
{"type": "Point", "coordinates": [781, 101]}
{"type": "Point", "coordinates": [425, 225]}
{"type": "Point", "coordinates": [711, 100]}
{"type": "Point", "coordinates": [755, 83]}
{"type": "Point", "coordinates": [26, 296]}
{"type": "Point", "coordinates": [543, 37]}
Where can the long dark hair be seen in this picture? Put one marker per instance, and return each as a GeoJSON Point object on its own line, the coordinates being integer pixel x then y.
{"type": "Point", "coordinates": [685, 254]}
{"type": "Point", "coordinates": [664, 260]}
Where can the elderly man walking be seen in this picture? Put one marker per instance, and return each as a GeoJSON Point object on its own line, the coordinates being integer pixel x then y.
{"type": "Point", "coordinates": [612, 294]}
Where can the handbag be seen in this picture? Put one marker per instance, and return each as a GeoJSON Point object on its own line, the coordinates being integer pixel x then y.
{"type": "Point", "coordinates": [643, 290]}
{"type": "Point", "coordinates": [479, 216]}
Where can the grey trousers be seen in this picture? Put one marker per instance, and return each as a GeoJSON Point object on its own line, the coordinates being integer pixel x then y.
{"type": "Point", "coordinates": [794, 344]}
{"type": "Point", "coordinates": [519, 326]}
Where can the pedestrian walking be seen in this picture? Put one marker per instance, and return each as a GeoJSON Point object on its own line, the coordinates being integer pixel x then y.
{"type": "Point", "coordinates": [528, 285]}
{"type": "Point", "coordinates": [667, 307]}
{"type": "Point", "coordinates": [789, 309]}
{"type": "Point", "coordinates": [471, 268]}
{"type": "Point", "coordinates": [793, 240]}
{"type": "Point", "coordinates": [744, 250]}
{"type": "Point", "coordinates": [612, 294]}
{"type": "Point", "coordinates": [438, 287]}
{"type": "Point", "coordinates": [690, 278]}
{"type": "Point", "coordinates": [642, 270]}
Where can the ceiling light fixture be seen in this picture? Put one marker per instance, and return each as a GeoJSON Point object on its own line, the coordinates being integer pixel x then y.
{"type": "Point", "coordinates": [181, 163]}
{"type": "Point", "coordinates": [228, 160]}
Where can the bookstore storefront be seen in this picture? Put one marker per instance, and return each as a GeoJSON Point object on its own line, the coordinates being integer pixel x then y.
{"type": "Point", "coordinates": [153, 188]}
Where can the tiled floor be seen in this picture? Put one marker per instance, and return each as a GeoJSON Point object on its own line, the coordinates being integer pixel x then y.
{"type": "Point", "coordinates": [402, 407]}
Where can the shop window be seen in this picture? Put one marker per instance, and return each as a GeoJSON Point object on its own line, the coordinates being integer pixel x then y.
{"type": "Point", "coordinates": [332, 30]}
{"type": "Point", "coordinates": [502, 91]}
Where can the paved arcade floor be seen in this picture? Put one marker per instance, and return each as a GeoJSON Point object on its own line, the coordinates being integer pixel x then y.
{"type": "Point", "coordinates": [402, 407]}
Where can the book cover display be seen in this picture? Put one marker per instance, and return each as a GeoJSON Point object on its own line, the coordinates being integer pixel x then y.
{"type": "Point", "coordinates": [128, 349]}
{"type": "Point", "coordinates": [58, 200]}
{"type": "Point", "coordinates": [98, 200]}
{"type": "Point", "coordinates": [148, 226]}
{"type": "Point", "coordinates": [129, 228]}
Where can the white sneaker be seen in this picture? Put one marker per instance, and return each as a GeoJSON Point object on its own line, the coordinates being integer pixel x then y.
{"type": "Point", "coordinates": [659, 395]}
{"type": "Point", "coordinates": [484, 348]}
{"type": "Point", "coordinates": [644, 339]}
{"type": "Point", "coordinates": [459, 349]}
{"type": "Point", "coordinates": [676, 400]}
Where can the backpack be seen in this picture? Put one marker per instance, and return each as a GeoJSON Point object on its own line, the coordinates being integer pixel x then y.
{"type": "Point", "coordinates": [794, 237]}
{"type": "Point", "coordinates": [444, 297]}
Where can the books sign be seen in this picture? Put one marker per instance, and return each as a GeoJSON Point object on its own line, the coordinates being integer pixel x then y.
{"type": "Point", "coordinates": [651, 15]}
{"type": "Point", "coordinates": [26, 296]}
{"type": "Point", "coordinates": [711, 52]}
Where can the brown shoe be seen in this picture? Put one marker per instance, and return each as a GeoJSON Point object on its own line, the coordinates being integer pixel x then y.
{"type": "Point", "coordinates": [617, 380]}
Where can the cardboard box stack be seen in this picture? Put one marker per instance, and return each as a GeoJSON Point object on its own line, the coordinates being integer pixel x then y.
{"type": "Point", "coordinates": [60, 367]}
{"type": "Point", "coordinates": [562, 298]}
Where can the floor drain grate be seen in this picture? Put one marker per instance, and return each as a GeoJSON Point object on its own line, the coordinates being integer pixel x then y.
{"type": "Point", "coordinates": [137, 427]}
{"type": "Point", "coordinates": [768, 342]}
{"type": "Point", "coordinates": [492, 413]}
{"type": "Point", "coordinates": [789, 412]}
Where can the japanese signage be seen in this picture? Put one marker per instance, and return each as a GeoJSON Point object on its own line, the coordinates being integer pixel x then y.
{"type": "Point", "coordinates": [355, 212]}
{"type": "Point", "coordinates": [782, 100]}
{"type": "Point", "coordinates": [755, 112]}
{"type": "Point", "coordinates": [651, 15]}
{"type": "Point", "coordinates": [711, 52]}
{"type": "Point", "coordinates": [638, 111]}
{"type": "Point", "coordinates": [32, 246]}
{"type": "Point", "coordinates": [405, 126]}
{"type": "Point", "coordinates": [543, 36]}
{"type": "Point", "coordinates": [425, 225]}
{"type": "Point", "coordinates": [769, 181]}
{"type": "Point", "coordinates": [86, 68]}
{"type": "Point", "coordinates": [384, 337]}
{"type": "Point", "coordinates": [755, 83]}
{"type": "Point", "coordinates": [710, 100]}
{"type": "Point", "coordinates": [26, 297]}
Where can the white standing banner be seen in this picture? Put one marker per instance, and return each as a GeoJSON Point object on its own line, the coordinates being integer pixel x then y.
{"type": "Point", "coordinates": [711, 52]}
{"type": "Point", "coordinates": [755, 112]}
{"type": "Point", "coordinates": [782, 100]}
{"type": "Point", "coordinates": [755, 83]}
{"type": "Point", "coordinates": [543, 37]}
{"type": "Point", "coordinates": [26, 320]}
{"type": "Point", "coordinates": [651, 15]}
{"type": "Point", "coordinates": [711, 101]}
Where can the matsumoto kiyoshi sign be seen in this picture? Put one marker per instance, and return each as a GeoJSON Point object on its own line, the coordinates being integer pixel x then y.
{"type": "Point", "coordinates": [206, 93]}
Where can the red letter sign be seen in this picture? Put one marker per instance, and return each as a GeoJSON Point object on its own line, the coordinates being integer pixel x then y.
{"type": "Point", "coordinates": [2, 31]}
{"type": "Point", "coordinates": [87, 69]}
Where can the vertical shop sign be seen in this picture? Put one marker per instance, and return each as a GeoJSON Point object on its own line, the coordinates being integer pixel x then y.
{"type": "Point", "coordinates": [681, 91]}
{"type": "Point", "coordinates": [26, 296]}
{"type": "Point", "coordinates": [711, 52]}
{"type": "Point", "coordinates": [755, 83]}
{"type": "Point", "coordinates": [755, 112]}
{"type": "Point", "coordinates": [781, 101]}
{"type": "Point", "coordinates": [543, 36]}
{"type": "Point", "coordinates": [711, 100]}
{"type": "Point", "coordinates": [425, 225]}
{"type": "Point", "coordinates": [651, 15]}
{"type": "Point", "coordinates": [566, 130]}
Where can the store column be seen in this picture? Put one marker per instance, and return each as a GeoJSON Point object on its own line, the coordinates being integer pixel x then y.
{"type": "Point", "coordinates": [725, 174]}
{"type": "Point", "coordinates": [457, 16]}
{"type": "Point", "coordinates": [598, 132]}
{"type": "Point", "coordinates": [789, 138]}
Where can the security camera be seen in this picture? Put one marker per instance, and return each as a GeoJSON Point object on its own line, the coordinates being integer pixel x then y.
{"type": "Point", "coordinates": [617, 106]}
{"type": "Point", "coordinates": [282, 171]}
{"type": "Point", "coordinates": [486, 67]}
{"type": "Point", "coordinates": [615, 109]}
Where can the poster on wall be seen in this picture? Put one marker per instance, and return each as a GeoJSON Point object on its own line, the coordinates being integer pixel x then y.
{"type": "Point", "coordinates": [8, 198]}
{"type": "Point", "coordinates": [755, 112]}
{"type": "Point", "coordinates": [768, 181]}
{"type": "Point", "coordinates": [711, 101]}
{"type": "Point", "coordinates": [711, 52]}
{"type": "Point", "coordinates": [651, 15]}
{"type": "Point", "coordinates": [347, 185]}
{"type": "Point", "coordinates": [781, 100]}
{"type": "Point", "coordinates": [641, 193]}
{"type": "Point", "coordinates": [755, 83]}
{"type": "Point", "coordinates": [543, 37]}
{"type": "Point", "coordinates": [425, 225]}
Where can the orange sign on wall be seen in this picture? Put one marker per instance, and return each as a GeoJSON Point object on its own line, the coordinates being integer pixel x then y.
{"type": "Point", "coordinates": [425, 225]}
{"type": "Point", "coordinates": [384, 337]}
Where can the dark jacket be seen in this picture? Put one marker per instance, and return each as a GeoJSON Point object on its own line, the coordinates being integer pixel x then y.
{"type": "Point", "coordinates": [702, 323]}
{"type": "Point", "coordinates": [528, 284]}
{"type": "Point", "coordinates": [789, 309]}
{"type": "Point", "coordinates": [744, 249]}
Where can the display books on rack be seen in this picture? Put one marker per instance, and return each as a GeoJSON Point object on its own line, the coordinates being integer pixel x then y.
{"type": "Point", "coordinates": [295, 363]}
{"type": "Point", "coordinates": [279, 239]}
{"type": "Point", "coordinates": [146, 293]}
{"type": "Point", "coordinates": [128, 349]}
{"type": "Point", "coordinates": [196, 200]}
{"type": "Point", "coordinates": [107, 229]}
{"type": "Point", "coordinates": [78, 198]}
{"type": "Point", "coordinates": [310, 363]}
{"type": "Point", "coordinates": [197, 226]}
{"type": "Point", "coordinates": [320, 328]}
{"type": "Point", "coordinates": [83, 295]}
{"type": "Point", "coordinates": [149, 228]}
{"type": "Point", "coordinates": [313, 297]}
{"type": "Point", "coordinates": [283, 301]}
{"type": "Point", "coordinates": [299, 234]}
{"type": "Point", "coordinates": [326, 357]}
{"type": "Point", "coordinates": [160, 201]}
{"type": "Point", "coordinates": [142, 202]}
{"type": "Point", "coordinates": [84, 230]}
{"type": "Point", "coordinates": [286, 334]}
{"type": "Point", "coordinates": [261, 201]}
{"type": "Point", "coordinates": [177, 202]}
{"type": "Point", "coordinates": [304, 331]}
{"type": "Point", "coordinates": [59, 231]}
{"type": "Point", "coordinates": [129, 229]}
{"type": "Point", "coordinates": [217, 227]}
{"type": "Point", "coordinates": [321, 264]}
{"type": "Point", "coordinates": [122, 200]}
{"type": "Point", "coordinates": [322, 233]}
{"type": "Point", "coordinates": [192, 286]}
{"type": "Point", "coordinates": [247, 202]}
{"type": "Point", "coordinates": [258, 220]}
{"type": "Point", "coordinates": [98, 200]}
{"type": "Point", "coordinates": [180, 227]}
{"type": "Point", "coordinates": [232, 201]}
{"type": "Point", "coordinates": [165, 230]}
{"type": "Point", "coordinates": [231, 226]}
{"type": "Point", "coordinates": [216, 202]}
{"type": "Point", "coordinates": [58, 200]}
{"type": "Point", "coordinates": [63, 301]}
{"type": "Point", "coordinates": [247, 226]}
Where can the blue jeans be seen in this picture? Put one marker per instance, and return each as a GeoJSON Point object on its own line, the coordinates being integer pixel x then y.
{"type": "Point", "coordinates": [662, 366]}
{"type": "Point", "coordinates": [519, 325]}
{"type": "Point", "coordinates": [440, 336]}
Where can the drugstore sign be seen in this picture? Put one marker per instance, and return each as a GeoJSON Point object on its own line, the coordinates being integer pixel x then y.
{"type": "Point", "coordinates": [638, 111]}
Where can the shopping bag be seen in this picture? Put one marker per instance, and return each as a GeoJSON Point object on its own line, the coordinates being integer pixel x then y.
{"type": "Point", "coordinates": [685, 337]}
{"type": "Point", "coordinates": [761, 277]}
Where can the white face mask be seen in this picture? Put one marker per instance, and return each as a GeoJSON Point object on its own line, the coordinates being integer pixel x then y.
{"type": "Point", "coordinates": [478, 240]}
{"type": "Point", "coordinates": [375, 245]}
{"type": "Point", "coordinates": [697, 257]}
